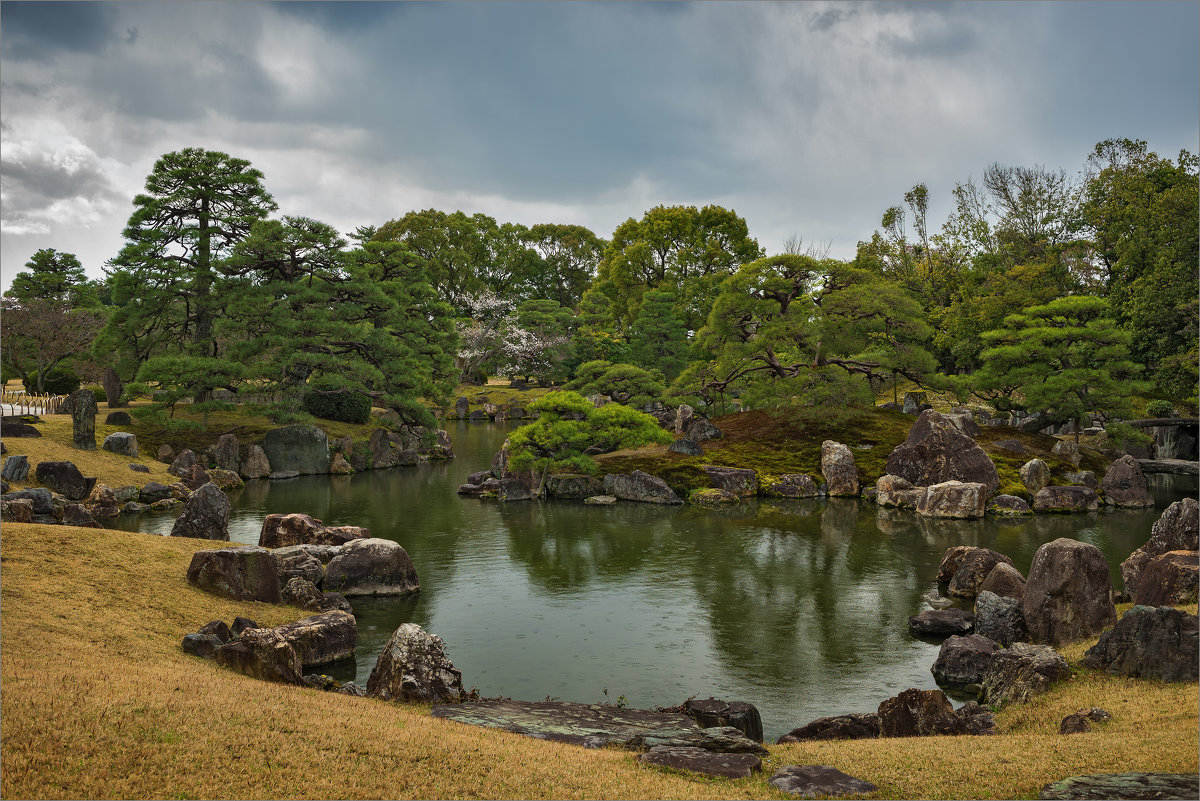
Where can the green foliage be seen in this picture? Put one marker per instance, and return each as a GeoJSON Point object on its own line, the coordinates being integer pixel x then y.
{"type": "Point", "coordinates": [54, 276]}
{"type": "Point", "coordinates": [659, 338]}
{"type": "Point", "coordinates": [59, 381]}
{"type": "Point", "coordinates": [176, 377]}
{"type": "Point", "coordinates": [157, 416]}
{"type": "Point", "coordinates": [633, 385]}
{"type": "Point", "coordinates": [1160, 408]}
{"type": "Point", "coordinates": [97, 392]}
{"type": "Point", "coordinates": [1124, 437]}
{"type": "Point", "coordinates": [330, 401]}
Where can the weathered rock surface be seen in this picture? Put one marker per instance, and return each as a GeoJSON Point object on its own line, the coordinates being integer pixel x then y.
{"type": "Point", "coordinates": [1007, 506]}
{"type": "Point", "coordinates": [196, 478]}
{"type": "Point", "coordinates": [918, 713]}
{"type": "Point", "coordinates": [699, 760]}
{"type": "Point", "coordinates": [75, 514]}
{"type": "Point", "coordinates": [202, 645]}
{"type": "Point", "coordinates": [154, 491]}
{"type": "Point", "coordinates": [83, 419]}
{"type": "Point", "coordinates": [183, 464]}
{"type": "Point", "coordinates": [14, 428]}
{"type": "Point", "coordinates": [896, 491]}
{"type": "Point", "coordinates": [298, 564]}
{"type": "Point", "coordinates": [264, 654]}
{"type": "Point", "coordinates": [112, 388]}
{"type": "Point", "coordinates": [218, 629]}
{"type": "Point", "coordinates": [371, 566]}
{"type": "Point", "coordinates": [743, 483]}
{"type": "Point", "coordinates": [256, 464]}
{"type": "Point", "coordinates": [1124, 785]}
{"type": "Point", "coordinates": [512, 489]}
{"type": "Point", "coordinates": [1068, 451]}
{"type": "Point", "coordinates": [414, 667]}
{"type": "Point", "coordinates": [122, 443]}
{"type": "Point", "coordinates": [1177, 529]}
{"type": "Point", "coordinates": [953, 499]}
{"type": "Point", "coordinates": [941, 622]}
{"type": "Point", "coordinates": [205, 515]}
{"type": "Point", "coordinates": [1068, 595]}
{"type": "Point", "coordinates": [1085, 477]}
{"type": "Point", "coordinates": [1072, 498]}
{"type": "Point", "coordinates": [1004, 580]}
{"type": "Point", "coordinates": [950, 562]}
{"type": "Point", "coordinates": [812, 781]}
{"type": "Point", "coordinates": [1151, 643]}
{"type": "Point", "coordinates": [788, 485]}
{"type": "Point", "coordinates": [685, 446]}
{"type": "Point", "coordinates": [225, 453]}
{"type": "Point", "coordinates": [854, 726]}
{"type": "Point", "coordinates": [713, 712]}
{"type": "Point", "coordinates": [839, 470]}
{"type": "Point", "coordinates": [283, 530]}
{"type": "Point", "coordinates": [166, 454]}
{"type": "Point", "coordinates": [322, 638]}
{"type": "Point", "coordinates": [16, 510]}
{"type": "Point", "coordinates": [41, 498]}
{"type": "Point", "coordinates": [973, 569]}
{"type": "Point", "coordinates": [701, 430]}
{"type": "Point", "coordinates": [16, 467]}
{"type": "Point", "coordinates": [1125, 484]}
{"type": "Point", "coordinates": [1169, 580]}
{"type": "Point", "coordinates": [225, 479]}
{"type": "Point", "coordinates": [302, 448]}
{"type": "Point", "coordinates": [640, 486]}
{"type": "Point", "coordinates": [243, 574]}
{"type": "Point", "coordinates": [573, 486]}
{"type": "Point", "coordinates": [722, 739]}
{"type": "Point", "coordinates": [711, 496]}
{"type": "Point", "coordinates": [937, 451]}
{"type": "Point", "coordinates": [1035, 475]}
{"type": "Point", "coordinates": [65, 479]}
{"type": "Point", "coordinates": [600, 500]}
{"type": "Point", "coordinates": [999, 618]}
{"type": "Point", "coordinates": [964, 660]}
{"type": "Point", "coordinates": [1021, 671]}
{"type": "Point", "coordinates": [303, 593]}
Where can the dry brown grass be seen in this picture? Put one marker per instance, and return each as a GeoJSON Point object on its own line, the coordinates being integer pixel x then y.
{"type": "Point", "coordinates": [99, 701]}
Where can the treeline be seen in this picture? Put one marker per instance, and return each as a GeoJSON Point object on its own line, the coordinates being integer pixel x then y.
{"type": "Point", "coordinates": [1040, 291]}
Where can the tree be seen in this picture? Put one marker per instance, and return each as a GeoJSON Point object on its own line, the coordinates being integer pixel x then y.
{"type": "Point", "coordinates": [454, 248]}
{"type": "Point", "coordinates": [659, 340]}
{"type": "Point", "coordinates": [198, 204]}
{"type": "Point", "coordinates": [569, 256]}
{"type": "Point", "coordinates": [624, 383]}
{"type": "Point", "coordinates": [1065, 359]}
{"type": "Point", "coordinates": [55, 276]}
{"type": "Point", "coordinates": [39, 334]}
{"type": "Point", "coordinates": [539, 341]}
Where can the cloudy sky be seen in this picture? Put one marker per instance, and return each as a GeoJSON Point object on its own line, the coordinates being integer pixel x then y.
{"type": "Point", "coordinates": [808, 119]}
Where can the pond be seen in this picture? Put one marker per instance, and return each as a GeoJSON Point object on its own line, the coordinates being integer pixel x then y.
{"type": "Point", "coordinates": [798, 607]}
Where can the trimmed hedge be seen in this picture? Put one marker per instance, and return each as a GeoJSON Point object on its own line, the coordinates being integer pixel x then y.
{"type": "Point", "coordinates": [346, 406]}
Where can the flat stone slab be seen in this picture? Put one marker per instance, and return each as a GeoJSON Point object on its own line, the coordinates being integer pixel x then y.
{"type": "Point", "coordinates": [594, 726]}
{"type": "Point", "coordinates": [697, 760]}
{"type": "Point", "coordinates": [810, 781]}
{"type": "Point", "coordinates": [1125, 785]}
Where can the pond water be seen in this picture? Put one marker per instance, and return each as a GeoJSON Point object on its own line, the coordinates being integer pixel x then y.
{"type": "Point", "coordinates": [798, 607]}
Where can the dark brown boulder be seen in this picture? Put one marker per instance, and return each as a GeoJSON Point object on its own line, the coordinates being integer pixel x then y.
{"type": "Point", "coordinates": [225, 453]}
{"type": "Point", "coordinates": [1067, 499]}
{"type": "Point", "coordinates": [936, 451]}
{"type": "Point", "coordinates": [263, 654]}
{"type": "Point", "coordinates": [953, 499]}
{"type": "Point", "coordinates": [205, 515]}
{"type": "Point", "coordinates": [1177, 529]}
{"type": "Point", "coordinates": [76, 514]}
{"type": "Point", "coordinates": [999, 618]}
{"type": "Point", "coordinates": [1125, 484]}
{"type": "Point", "coordinates": [196, 478]}
{"type": "Point", "coordinates": [322, 638]}
{"type": "Point", "coordinates": [699, 760]}
{"type": "Point", "coordinates": [218, 629]}
{"type": "Point", "coordinates": [16, 510]}
{"type": "Point", "coordinates": [298, 564]}
{"type": "Point", "coordinates": [202, 645]}
{"type": "Point", "coordinates": [1007, 506]}
{"type": "Point", "coordinates": [1068, 595]}
{"type": "Point", "coordinates": [896, 491]}
{"type": "Point", "coordinates": [154, 491]}
{"type": "Point", "coordinates": [964, 660]}
{"type": "Point", "coordinates": [83, 419]}
{"type": "Point", "coordinates": [1004, 580]}
{"type": "Point", "coordinates": [789, 485]}
{"type": "Point", "coordinates": [283, 530]}
{"type": "Point", "coordinates": [18, 430]}
{"type": "Point", "coordinates": [1021, 671]}
{"type": "Point", "coordinates": [414, 667]}
{"type": "Point", "coordinates": [950, 562]}
{"type": "Point", "coordinates": [853, 726]}
{"type": "Point", "coordinates": [812, 781]}
{"type": "Point", "coordinates": [183, 464]}
{"type": "Point", "coordinates": [941, 622]}
{"type": "Point", "coordinates": [1150, 643]}
{"type": "Point", "coordinates": [243, 574]}
{"type": "Point", "coordinates": [974, 567]}
{"type": "Point", "coordinates": [1169, 580]}
{"type": "Point", "coordinates": [112, 388]}
{"type": "Point", "coordinates": [918, 713]}
{"type": "Point", "coordinates": [65, 479]}
{"type": "Point", "coordinates": [639, 486]}
{"type": "Point", "coordinates": [714, 712]}
{"type": "Point", "coordinates": [302, 593]}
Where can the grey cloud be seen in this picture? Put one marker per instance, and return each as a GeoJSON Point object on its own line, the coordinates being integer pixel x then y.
{"type": "Point", "coordinates": [40, 30]}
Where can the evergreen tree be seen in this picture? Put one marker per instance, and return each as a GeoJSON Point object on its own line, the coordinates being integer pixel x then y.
{"type": "Point", "coordinates": [658, 338]}
{"type": "Point", "coordinates": [57, 276]}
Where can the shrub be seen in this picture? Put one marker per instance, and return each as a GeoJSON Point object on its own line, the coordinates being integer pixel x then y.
{"type": "Point", "coordinates": [329, 401]}
{"type": "Point", "coordinates": [98, 393]}
{"type": "Point", "coordinates": [604, 378]}
{"type": "Point", "coordinates": [1160, 408]}
{"type": "Point", "coordinates": [59, 381]}
{"type": "Point", "coordinates": [1123, 437]}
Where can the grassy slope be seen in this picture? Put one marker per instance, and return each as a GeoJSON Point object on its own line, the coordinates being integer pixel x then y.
{"type": "Point", "coordinates": [99, 701]}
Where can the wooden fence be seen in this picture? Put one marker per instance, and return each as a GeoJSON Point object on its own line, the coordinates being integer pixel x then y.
{"type": "Point", "coordinates": [25, 403]}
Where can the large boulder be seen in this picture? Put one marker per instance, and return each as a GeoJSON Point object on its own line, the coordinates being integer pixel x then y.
{"type": "Point", "coordinates": [742, 483]}
{"type": "Point", "coordinates": [300, 448]}
{"type": "Point", "coordinates": [918, 713]}
{"type": "Point", "coordinates": [154, 491]}
{"type": "Point", "coordinates": [205, 515]}
{"type": "Point", "coordinates": [41, 498]}
{"type": "Point", "coordinates": [1004, 580]}
{"type": "Point", "coordinates": [414, 667]}
{"type": "Point", "coordinates": [65, 479]}
{"type": "Point", "coordinates": [973, 569]}
{"type": "Point", "coordinates": [937, 451]}
{"type": "Point", "coordinates": [896, 491]}
{"type": "Point", "coordinates": [1067, 499]}
{"type": "Point", "coordinates": [1178, 529]}
{"type": "Point", "coordinates": [16, 467]}
{"type": "Point", "coordinates": [196, 478]}
{"type": "Point", "coordinates": [322, 638]}
{"type": "Point", "coordinates": [1169, 580]}
{"type": "Point", "coordinates": [941, 622]}
{"type": "Point", "coordinates": [183, 464]}
{"type": "Point", "coordinates": [76, 514]}
{"type": "Point", "coordinates": [264, 654]}
{"type": "Point", "coordinates": [371, 566]}
{"type": "Point", "coordinates": [1068, 595]}
{"type": "Point", "coordinates": [951, 559]}
{"type": "Point", "coordinates": [255, 464]}
{"type": "Point", "coordinates": [839, 470]}
{"type": "Point", "coordinates": [812, 781]}
{"type": "Point", "coordinates": [282, 530]}
{"type": "Point", "coordinates": [243, 574]}
{"type": "Point", "coordinates": [999, 618]}
{"type": "Point", "coordinates": [701, 430]}
{"type": "Point", "coordinates": [225, 453]}
{"type": "Point", "coordinates": [572, 486]}
{"type": "Point", "coordinates": [1125, 484]}
{"type": "Point", "coordinates": [789, 485]}
{"type": "Point", "coordinates": [640, 486]}
{"type": "Point", "coordinates": [963, 661]}
{"type": "Point", "coordinates": [1021, 671]}
{"type": "Point", "coordinates": [712, 712]}
{"type": "Point", "coordinates": [83, 419]}
{"type": "Point", "coordinates": [1035, 475]}
{"type": "Point", "coordinates": [953, 499]}
{"type": "Point", "coordinates": [854, 726]}
{"type": "Point", "coordinates": [112, 388]}
{"type": "Point", "coordinates": [122, 443]}
{"type": "Point", "coordinates": [1149, 643]}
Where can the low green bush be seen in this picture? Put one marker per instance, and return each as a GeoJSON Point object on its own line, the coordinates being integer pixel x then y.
{"type": "Point", "coordinates": [329, 401]}
{"type": "Point", "coordinates": [1160, 408]}
{"type": "Point", "coordinates": [59, 381]}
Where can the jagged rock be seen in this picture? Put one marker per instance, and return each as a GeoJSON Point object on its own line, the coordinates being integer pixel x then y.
{"type": "Point", "coordinates": [75, 514]}
{"type": "Point", "coordinates": [976, 719]}
{"type": "Point", "coordinates": [701, 430]}
{"type": "Point", "coordinates": [1072, 498]}
{"type": "Point", "coordinates": [699, 760]}
{"type": "Point", "coordinates": [683, 417]}
{"type": "Point", "coordinates": [941, 622]}
{"type": "Point", "coordinates": [183, 464]}
{"type": "Point", "coordinates": [196, 478]}
{"type": "Point", "coordinates": [1125, 484]}
{"type": "Point", "coordinates": [65, 479]}
{"type": "Point", "coordinates": [1151, 643]}
{"type": "Point", "coordinates": [16, 467]}
{"type": "Point", "coordinates": [205, 515]}
{"type": "Point", "coordinates": [853, 726]}
{"type": "Point", "coordinates": [918, 713]}
{"type": "Point", "coordinates": [264, 654]}
{"type": "Point", "coordinates": [154, 491]}
{"type": "Point", "coordinates": [83, 419]}
{"type": "Point", "coordinates": [573, 486]}
{"type": "Point", "coordinates": [335, 600]}
{"type": "Point", "coordinates": [839, 470]}
{"type": "Point", "coordinates": [742, 483]}
{"type": "Point", "coordinates": [722, 739]}
{"type": "Point", "coordinates": [953, 499]}
{"type": "Point", "coordinates": [713, 712]}
{"type": "Point", "coordinates": [1000, 618]}
{"type": "Point", "coordinates": [1177, 529]}
{"type": "Point", "coordinates": [112, 390]}
{"type": "Point", "coordinates": [950, 562]}
{"type": "Point", "coordinates": [915, 402]}
{"type": "Point", "coordinates": [303, 593]}
{"type": "Point", "coordinates": [225, 452]}
{"type": "Point", "coordinates": [1004, 580]}
{"type": "Point", "coordinates": [936, 451]}
{"type": "Point", "coordinates": [414, 667]}
{"type": "Point", "coordinates": [1035, 475]}
{"type": "Point", "coordinates": [898, 492]}
{"type": "Point", "coordinates": [321, 639]}
{"type": "Point", "coordinates": [1169, 580]}
{"type": "Point", "coordinates": [1021, 671]}
{"type": "Point", "coordinates": [1081, 721]}
{"type": "Point", "coordinates": [256, 464]}
{"type": "Point", "coordinates": [16, 510]}
{"type": "Point", "coordinates": [298, 564]}
{"type": "Point", "coordinates": [338, 466]}
{"type": "Point", "coordinates": [974, 567]}
{"type": "Point", "coordinates": [964, 660]}
{"type": "Point", "coordinates": [371, 566]}
{"type": "Point", "coordinates": [225, 479]}
{"type": "Point", "coordinates": [1068, 595]}
{"type": "Point", "coordinates": [641, 487]}
{"type": "Point", "coordinates": [41, 498]}
{"type": "Point", "coordinates": [1007, 506]}
{"type": "Point", "coordinates": [243, 574]}
{"type": "Point", "coordinates": [218, 629]}
{"type": "Point", "coordinates": [282, 530]}
{"type": "Point", "coordinates": [121, 442]}
{"type": "Point", "coordinates": [686, 447]}
{"type": "Point", "coordinates": [1123, 786]}
{"type": "Point", "coordinates": [1083, 477]}
{"type": "Point", "coordinates": [202, 645]}
{"type": "Point", "coordinates": [964, 422]}
{"type": "Point", "coordinates": [789, 485]}
{"type": "Point", "coordinates": [1067, 451]}
{"type": "Point", "coordinates": [813, 781]}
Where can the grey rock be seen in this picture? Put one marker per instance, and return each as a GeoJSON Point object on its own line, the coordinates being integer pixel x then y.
{"type": "Point", "coordinates": [83, 419]}
{"type": "Point", "coordinates": [154, 491]}
{"type": "Point", "coordinates": [205, 515]}
{"type": "Point", "coordinates": [183, 464]}
{"type": "Point", "coordinates": [839, 470]}
{"type": "Point", "coordinates": [1124, 785]}
{"type": "Point", "coordinates": [914, 402]}
{"type": "Point", "coordinates": [298, 564]}
{"type": "Point", "coordinates": [1083, 477]}
{"type": "Point", "coordinates": [240, 624]}
{"type": "Point", "coordinates": [139, 468]}
{"type": "Point", "coordinates": [813, 781]}
{"type": "Point", "coordinates": [513, 489]}
{"type": "Point", "coordinates": [641, 487]}
{"type": "Point", "coordinates": [16, 468]}
{"type": "Point", "coordinates": [714, 712]}
{"type": "Point", "coordinates": [953, 499]}
{"type": "Point", "coordinates": [122, 443]}
{"type": "Point", "coordinates": [918, 713]}
{"type": "Point", "coordinates": [256, 464]}
{"type": "Point", "coordinates": [225, 453]}
{"type": "Point", "coordinates": [414, 667]}
{"type": "Point", "coordinates": [1021, 671]}
{"type": "Point", "coordinates": [1177, 529]}
{"type": "Point", "coordinates": [303, 593]}
{"type": "Point", "coordinates": [1035, 475]}
{"type": "Point", "coordinates": [300, 448]}
{"type": "Point", "coordinates": [166, 454]}
{"type": "Point", "coordinates": [202, 645]}
{"type": "Point", "coordinates": [283, 475]}
{"type": "Point", "coordinates": [722, 739]}
{"type": "Point", "coordinates": [898, 492]}
{"type": "Point", "coordinates": [1004, 580]}
{"type": "Point", "coordinates": [218, 629]}
{"type": "Point", "coordinates": [1151, 643]}
{"type": "Point", "coordinates": [686, 446]}
{"type": "Point", "coordinates": [1013, 445]}
{"type": "Point", "coordinates": [323, 638]}
{"type": "Point", "coordinates": [263, 654]}
{"type": "Point", "coordinates": [600, 500]}
{"type": "Point", "coordinates": [973, 569]}
{"type": "Point", "coordinates": [936, 451]}
{"type": "Point", "coordinates": [283, 530]}
{"type": "Point", "coordinates": [699, 760]}
{"type": "Point", "coordinates": [1068, 499]}
{"type": "Point", "coordinates": [1067, 451]}
{"type": "Point", "coordinates": [1007, 506]}
{"type": "Point", "coordinates": [75, 514]}
{"type": "Point", "coordinates": [1169, 580]}
{"type": "Point", "coordinates": [371, 566]}
{"type": "Point", "coordinates": [701, 430]}
{"type": "Point", "coordinates": [789, 485]}
{"type": "Point", "coordinates": [941, 622]}
{"type": "Point", "coordinates": [243, 574]}
{"type": "Point", "coordinates": [112, 392]}
{"type": "Point", "coordinates": [1125, 484]}
{"type": "Point", "coordinates": [1068, 595]}
{"type": "Point", "coordinates": [573, 486]}
{"type": "Point", "coordinates": [854, 726]}
{"type": "Point", "coordinates": [964, 660]}
{"type": "Point", "coordinates": [1000, 618]}
{"type": "Point", "coordinates": [742, 483]}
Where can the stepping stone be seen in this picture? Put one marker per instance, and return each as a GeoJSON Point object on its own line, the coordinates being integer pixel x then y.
{"type": "Point", "coordinates": [697, 760]}
{"type": "Point", "coordinates": [810, 781]}
{"type": "Point", "coordinates": [1125, 785]}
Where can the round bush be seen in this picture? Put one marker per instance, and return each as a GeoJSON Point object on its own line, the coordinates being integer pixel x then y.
{"type": "Point", "coordinates": [59, 381]}
{"type": "Point", "coordinates": [1160, 408]}
{"type": "Point", "coordinates": [343, 405]}
{"type": "Point", "coordinates": [98, 393]}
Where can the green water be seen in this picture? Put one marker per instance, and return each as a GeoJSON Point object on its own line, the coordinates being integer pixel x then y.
{"type": "Point", "coordinates": [798, 607]}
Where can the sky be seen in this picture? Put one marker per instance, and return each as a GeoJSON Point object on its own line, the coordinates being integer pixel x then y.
{"type": "Point", "coordinates": [808, 119]}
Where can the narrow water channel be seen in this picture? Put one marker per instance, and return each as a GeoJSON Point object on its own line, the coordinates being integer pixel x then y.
{"type": "Point", "coordinates": [798, 607]}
